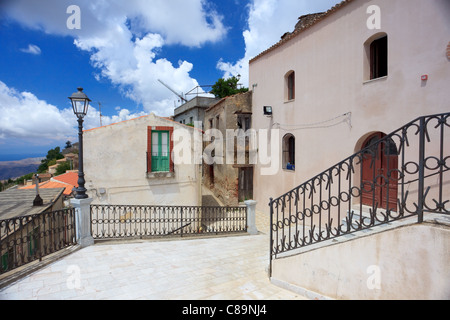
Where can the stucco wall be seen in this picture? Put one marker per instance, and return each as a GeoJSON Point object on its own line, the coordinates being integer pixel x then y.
{"type": "Point", "coordinates": [115, 165]}
{"type": "Point", "coordinates": [409, 262]}
{"type": "Point", "coordinates": [329, 61]}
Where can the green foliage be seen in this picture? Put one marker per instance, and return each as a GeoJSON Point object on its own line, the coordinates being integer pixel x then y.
{"type": "Point", "coordinates": [68, 145]}
{"type": "Point", "coordinates": [62, 168]}
{"type": "Point", "coordinates": [227, 87]}
{"type": "Point", "coordinates": [24, 178]}
{"type": "Point", "coordinates": [52, 156]}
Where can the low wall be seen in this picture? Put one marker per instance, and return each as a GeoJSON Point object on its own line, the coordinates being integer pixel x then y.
{"type": "Point", "coordinates": [407, 261]}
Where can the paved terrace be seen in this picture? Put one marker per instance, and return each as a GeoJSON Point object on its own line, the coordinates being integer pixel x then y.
{"type": "Point", "coordinates": [229, 268]}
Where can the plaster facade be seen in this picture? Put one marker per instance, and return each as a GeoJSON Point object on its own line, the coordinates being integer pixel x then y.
{"type": "Point", "coordinates": [336, 105]}
{"type": "Point", "coordinates": [116, 166]}
{"type": "Point", "coordinates": [394, 264]}
{"type": "Point", "coordinates": [194, 110]}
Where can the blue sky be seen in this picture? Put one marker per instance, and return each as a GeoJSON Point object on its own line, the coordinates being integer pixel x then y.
{"type": "Point", "coordinates": [121, 50]}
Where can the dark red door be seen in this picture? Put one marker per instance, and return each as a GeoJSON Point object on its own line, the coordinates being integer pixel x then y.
{"type": "Point", "coordinates": [379, 173]}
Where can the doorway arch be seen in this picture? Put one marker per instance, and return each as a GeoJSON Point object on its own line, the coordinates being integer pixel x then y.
{"type": "Point", "coordinates": [379, 172]}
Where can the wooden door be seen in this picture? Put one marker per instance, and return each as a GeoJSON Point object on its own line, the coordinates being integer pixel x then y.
{"type": "Point", "coordinates": [379, 173]}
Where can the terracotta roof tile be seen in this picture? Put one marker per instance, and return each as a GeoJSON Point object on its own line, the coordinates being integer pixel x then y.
{"type": "Point", "coordinates": [69, 178]}
{"type": "Point", "coordinates": [52, 185]}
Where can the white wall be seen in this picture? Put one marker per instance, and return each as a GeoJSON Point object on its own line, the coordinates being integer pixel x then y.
{"type": "Point", "coordinates": [329, 60]}
{"type": "Point", "coordinates": [409, 262]}
{"type": "Point", "coordinates": [115, 163]}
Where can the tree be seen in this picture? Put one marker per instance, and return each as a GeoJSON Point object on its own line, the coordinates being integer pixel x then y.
{"type": "Point", "coordinates": [227, 87]}
{"type": "Point", "coordinates": [68, 145]}
{"type": "Point", "coordinates": [62, 168]}
{"type": "Point", "coordinates": [53, 154]}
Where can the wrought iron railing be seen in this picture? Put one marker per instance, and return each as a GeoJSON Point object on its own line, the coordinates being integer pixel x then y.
{"type": "Point", "coordinates": [29, 238]}
{"type": "Point", "coordinates": [131, 222]}
{"type": "Point", "coordinates": [408, 174]}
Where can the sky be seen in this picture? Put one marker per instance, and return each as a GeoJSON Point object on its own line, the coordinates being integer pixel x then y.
{"type": "Point", "coordinates": [117, 50]}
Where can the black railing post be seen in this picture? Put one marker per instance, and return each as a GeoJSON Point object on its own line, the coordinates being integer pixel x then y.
{"type": "Point", "coordinates": [420, 201]}
{"type": "Point", "coordinates": [181, 221]}
{"type": "Point", "coordinates": [271, 237]}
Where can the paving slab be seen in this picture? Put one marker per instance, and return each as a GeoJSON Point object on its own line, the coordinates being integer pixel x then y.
{"type": "Point", "coordinates": [227, 268]}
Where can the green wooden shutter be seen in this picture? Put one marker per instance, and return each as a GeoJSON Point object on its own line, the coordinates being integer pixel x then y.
{"type": "Point", "coordinates": [160, 151]}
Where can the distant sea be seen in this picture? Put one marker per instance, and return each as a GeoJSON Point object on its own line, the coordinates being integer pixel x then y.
{"type": "Point", "coordinates": [17, 157]}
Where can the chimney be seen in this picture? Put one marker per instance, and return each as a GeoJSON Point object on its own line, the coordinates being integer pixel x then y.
{"type": "Point", "coordinates": [38, 200]}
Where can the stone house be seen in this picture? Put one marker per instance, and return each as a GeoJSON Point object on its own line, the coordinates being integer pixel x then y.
{"type": "Point", "coordinates": [231, 181]}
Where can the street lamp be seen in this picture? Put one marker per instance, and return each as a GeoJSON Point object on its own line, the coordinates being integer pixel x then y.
{"type": "Point", "coordinates": [80, 105]}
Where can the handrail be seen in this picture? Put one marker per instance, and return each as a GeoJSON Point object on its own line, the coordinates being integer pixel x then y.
{"type": "Point", "coordinates": [338, 201]}
{"type": "Point", "coordinates": [142, 221]}
{"type": "Point", "coordinates": [29, 238]}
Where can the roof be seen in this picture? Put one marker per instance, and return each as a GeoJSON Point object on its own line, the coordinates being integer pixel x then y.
{"type": "Point", "coordinates": [113, 124]}
{"type": "Point", "coordinates": [305, 22]}
{"type": "Point", "coordinates": [51, 185]}
{"type": "Point", "coordinates": [226, 98]}
{"type": "Point", "coordinates": [19, 203]}
{"type": "Point", "coordinates": [197, 102]}
{"type": "Point", "coordinates": [70, 178]}
{"type": "Point", "coordinates": [174, 123]}
{"type": "Point", "coordinates": [68, 181]}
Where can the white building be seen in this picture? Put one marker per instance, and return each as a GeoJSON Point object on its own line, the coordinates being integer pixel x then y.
{"type": "Point", "coordinates": [361, 70]}
{"type": "Point", "coordinates": [136, 162]}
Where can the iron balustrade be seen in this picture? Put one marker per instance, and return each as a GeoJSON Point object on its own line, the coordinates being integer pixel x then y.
{"type": "Point", "coordinates": [30, 238]}
{"type": "Point", "coordinates": [414, 179]}
{"type": "Point", "coordinates": [131, 222]}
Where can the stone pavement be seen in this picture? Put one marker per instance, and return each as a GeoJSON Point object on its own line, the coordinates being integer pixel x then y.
{"type": "Point", "coordinates": [228, 268]}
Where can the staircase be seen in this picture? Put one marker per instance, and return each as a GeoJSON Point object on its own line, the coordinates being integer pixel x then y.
{"type": "Point", "coordinates": [339, 202]}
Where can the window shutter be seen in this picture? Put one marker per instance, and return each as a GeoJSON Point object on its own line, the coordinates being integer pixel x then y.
{"type": "Point", "coordinates": [160, 146]}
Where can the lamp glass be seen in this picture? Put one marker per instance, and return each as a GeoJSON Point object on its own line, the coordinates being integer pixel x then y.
{"type": "Point", "coordinates": [80, 103]}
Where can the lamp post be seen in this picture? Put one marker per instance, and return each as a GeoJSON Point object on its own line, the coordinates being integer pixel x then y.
{"type": "Point", "coordinates": [80, 105]}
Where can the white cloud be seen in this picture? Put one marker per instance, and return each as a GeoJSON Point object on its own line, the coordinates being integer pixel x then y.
{"type": "Point", "coordinates": [125, 37]}
{"type": "Point", "coordinates": [32, 49]}
{"type": "Point", "coordinates": [24, 116]}
{"type": "Point", "coordinates": [268, 20]}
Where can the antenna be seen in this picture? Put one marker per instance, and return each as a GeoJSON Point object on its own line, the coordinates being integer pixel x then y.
{"type": "Point", "coordinates": [100, 109]}
{"type": "Point", "coordinates": [176, 93]}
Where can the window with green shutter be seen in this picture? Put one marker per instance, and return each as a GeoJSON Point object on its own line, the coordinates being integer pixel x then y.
{"type": "Point", "coordinates": [5, 262]}
{"type": "Point", "coordinates": [160, 151]}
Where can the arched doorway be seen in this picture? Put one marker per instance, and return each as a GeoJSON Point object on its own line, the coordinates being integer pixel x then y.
{"type": "Point", "coordinates": [380, 172]}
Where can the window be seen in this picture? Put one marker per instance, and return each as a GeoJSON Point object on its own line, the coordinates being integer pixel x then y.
{"type": "Point", "coordinates": [289, 152]}
{"type": "Point", "coordinates": [290, 86]}
{"type": "Point", "coordinates": [160, 146]}
{"type": "Point", "coordinates": [160, 151]}
{"type": "Point", "coordinates": [244, 121]}
{"type": "Point", "coordinates": [377, 57]}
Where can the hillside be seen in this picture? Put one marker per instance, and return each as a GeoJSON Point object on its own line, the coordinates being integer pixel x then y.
{"type": "Point", "coordinates": [16, 169]}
